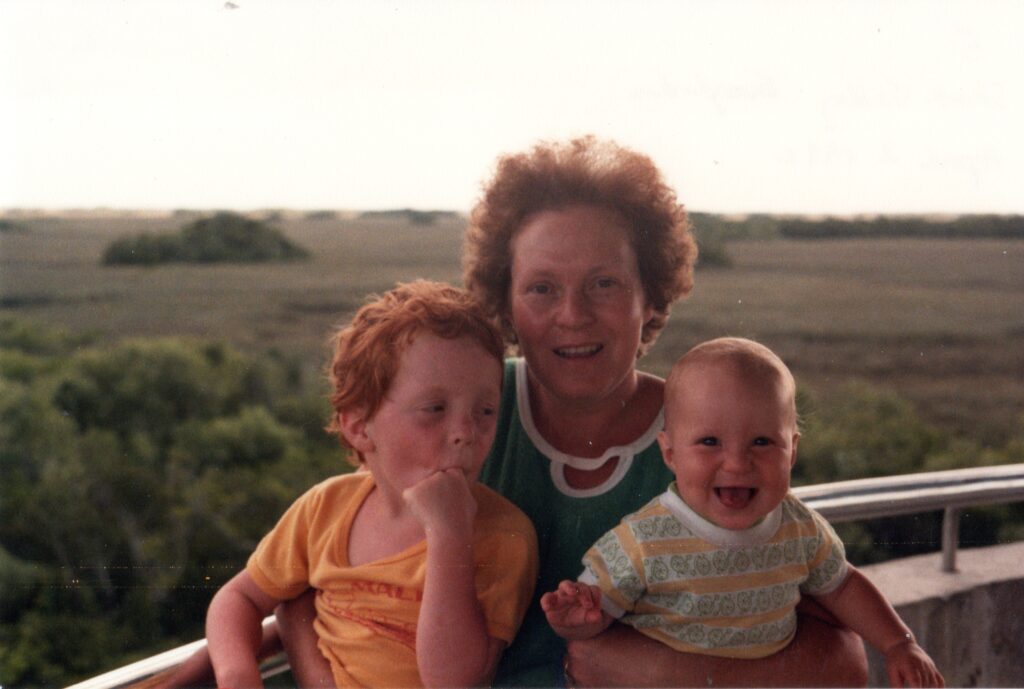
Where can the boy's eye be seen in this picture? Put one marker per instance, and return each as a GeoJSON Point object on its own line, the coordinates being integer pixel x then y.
{"type": "Point", "coordinates": [709, 441]}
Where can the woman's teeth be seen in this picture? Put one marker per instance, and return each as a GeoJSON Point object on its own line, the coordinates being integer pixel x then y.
{"type": "Point", "coordinates": [574, 352]}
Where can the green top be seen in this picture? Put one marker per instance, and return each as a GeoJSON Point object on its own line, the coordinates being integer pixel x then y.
{"type": "Point", "coordinates": [527, 470]}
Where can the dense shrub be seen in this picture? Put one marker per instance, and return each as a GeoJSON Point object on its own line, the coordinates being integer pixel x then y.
{"type": "Point", "coordinates": [222, 238]}
{"type": "Point", "coordinates": [9, 226]}
{"type": "Point", "coordinates": [136, 479]}
{"type": "Point", "coordinates": [964, 226]}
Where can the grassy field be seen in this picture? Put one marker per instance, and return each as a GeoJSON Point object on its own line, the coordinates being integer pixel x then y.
{"type": "Point", "coordinates": [940, 321]}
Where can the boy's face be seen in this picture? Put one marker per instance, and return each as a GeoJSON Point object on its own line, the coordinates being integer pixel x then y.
{"type": "Point", "coordinates": [439, 413]}
{"type": "Point", "coordinates": [731, 442]}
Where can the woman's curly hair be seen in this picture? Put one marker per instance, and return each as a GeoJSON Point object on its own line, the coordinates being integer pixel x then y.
{"type": "Point", "coordinates": [584, 171]}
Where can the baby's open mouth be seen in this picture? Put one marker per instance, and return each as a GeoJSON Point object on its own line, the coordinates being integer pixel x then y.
{"type": "Point", "coordinates": [735, 498]}
{"type": "Point", "coordinates": [578, 352]}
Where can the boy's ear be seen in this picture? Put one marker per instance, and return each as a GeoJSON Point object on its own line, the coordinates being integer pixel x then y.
{"type": "Point", "coordinates": [353, 427]}
{"type": "Point", "coordinates": [666, 449]}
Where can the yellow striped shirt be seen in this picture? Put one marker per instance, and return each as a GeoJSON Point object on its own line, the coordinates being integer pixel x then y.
{"type": "Point", "coordinates": [700, 588]}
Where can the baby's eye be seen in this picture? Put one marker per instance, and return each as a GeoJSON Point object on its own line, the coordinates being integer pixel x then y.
{"type": "Point", "coordinates": [489, 411]}
{"type": "Point", "coordinates": [709, 441]}
{"type": "Point", "coordinates": [434, 408]}
{"type": "Point", "coordinates": [761, 440]}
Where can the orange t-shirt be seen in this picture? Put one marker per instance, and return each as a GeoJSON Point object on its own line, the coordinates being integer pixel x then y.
{"type": "Point", "coordinates": [367, 614]}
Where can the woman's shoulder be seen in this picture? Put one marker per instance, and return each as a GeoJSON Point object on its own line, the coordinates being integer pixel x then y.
{"type": "Point", "coordinates": [651, 387]}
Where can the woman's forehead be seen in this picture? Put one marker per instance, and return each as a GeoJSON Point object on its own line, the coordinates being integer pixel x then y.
{"type": "Point", "coordinates": [580, 235]}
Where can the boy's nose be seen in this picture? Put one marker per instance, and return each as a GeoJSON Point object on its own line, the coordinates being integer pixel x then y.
{"type": "Point", "coordinates": [462, 432]}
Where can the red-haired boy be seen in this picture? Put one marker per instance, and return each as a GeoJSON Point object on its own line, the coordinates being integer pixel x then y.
{"type": "Point", "coordinates": [422, 575]}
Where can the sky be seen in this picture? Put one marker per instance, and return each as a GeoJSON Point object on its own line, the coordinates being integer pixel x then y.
{"type": "Point", "coordinates": [778, 107]}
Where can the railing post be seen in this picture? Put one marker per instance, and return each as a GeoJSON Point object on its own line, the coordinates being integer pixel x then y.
{"type": "Point", "coordinates": [950, 538]}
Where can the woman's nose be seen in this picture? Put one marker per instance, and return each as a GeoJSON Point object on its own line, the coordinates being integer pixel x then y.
{"type": "Point", "coordinates": [574, 309]}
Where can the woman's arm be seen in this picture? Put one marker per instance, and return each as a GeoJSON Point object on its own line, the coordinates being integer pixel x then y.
{"type": "Point", "coordinates": [309, 667]}
{"type": "Point", "coordinates": [821, 655]}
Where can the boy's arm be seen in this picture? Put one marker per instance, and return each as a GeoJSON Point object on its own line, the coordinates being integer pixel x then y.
{"type": "Point", "coordinates": [453, 648]}
{"type": "Point", "coordinates": [858, 604]}
{"type": "Point", "coordinates": [234, 631]}
{"type": "Point", "coordinates": [574, 610]}
{"type": "Point", "coordinates": [821, 655]}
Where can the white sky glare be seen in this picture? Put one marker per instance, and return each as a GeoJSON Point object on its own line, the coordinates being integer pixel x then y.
{"type": "Point", "coordinates": [803, 107]}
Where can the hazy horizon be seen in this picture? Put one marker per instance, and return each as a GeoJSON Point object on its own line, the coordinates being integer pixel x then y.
{"type": "Point", "coordinates": [789, 107]}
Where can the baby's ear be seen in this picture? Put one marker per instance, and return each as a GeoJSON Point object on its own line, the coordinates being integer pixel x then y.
{"type": "Point", "coordinates": [796, 441]}
{"type": "Point", "coordinates": [666, 448]}
{"type": "Point", "coordinates": [353, 427]}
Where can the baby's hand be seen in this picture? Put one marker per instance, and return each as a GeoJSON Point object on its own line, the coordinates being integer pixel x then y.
{"type": "Point", "coordinates": [443, 504]}
{"type": "Point", "coordinates": [573, 609]}
{"type": "Point", "coordinates": [909, 666]}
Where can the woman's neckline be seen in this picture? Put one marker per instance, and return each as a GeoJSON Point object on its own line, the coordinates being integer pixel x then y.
{"type": "Point", "coordinates": [559, 459]}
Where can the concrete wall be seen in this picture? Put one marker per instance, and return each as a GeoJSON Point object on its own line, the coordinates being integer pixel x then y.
{"type": "Point", "coordinates": [970, 621]}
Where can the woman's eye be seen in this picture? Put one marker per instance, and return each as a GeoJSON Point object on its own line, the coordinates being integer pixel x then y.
{"type": "Point", "coordinates": [540, 288]}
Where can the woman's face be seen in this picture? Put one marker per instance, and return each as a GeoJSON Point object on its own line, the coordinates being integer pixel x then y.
{"type": "Point", "coordinates": [577, 303]}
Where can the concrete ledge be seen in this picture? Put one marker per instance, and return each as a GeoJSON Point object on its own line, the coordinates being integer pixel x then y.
{"type": "Point", "coordinates": [970, 621]}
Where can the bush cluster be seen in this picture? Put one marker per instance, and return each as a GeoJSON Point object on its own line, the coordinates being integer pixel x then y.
{"type": "Point", "coordinates": [966, 226]}
{"type": "Point", "coordinates": [136, 479]}
{"type": "Point", "coordinates": [221, 238]}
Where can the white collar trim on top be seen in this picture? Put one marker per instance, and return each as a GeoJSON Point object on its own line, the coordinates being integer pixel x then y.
{"type": "Point", "coordinates": [559, 459]}
{"type": "Point", "coordinates": [757, 534]}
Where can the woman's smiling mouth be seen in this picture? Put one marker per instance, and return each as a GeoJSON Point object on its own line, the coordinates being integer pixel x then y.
{"type": "Point", "coordinates": [578, 352]}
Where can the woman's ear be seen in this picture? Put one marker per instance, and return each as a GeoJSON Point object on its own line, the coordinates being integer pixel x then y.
{"type": "Point", "coordinates": [353, 427]}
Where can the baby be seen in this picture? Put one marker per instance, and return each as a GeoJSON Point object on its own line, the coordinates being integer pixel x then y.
{"type": "Point", "coordinates": [717, 563]}
{"type": "Point", "coordinates": [422, 574]}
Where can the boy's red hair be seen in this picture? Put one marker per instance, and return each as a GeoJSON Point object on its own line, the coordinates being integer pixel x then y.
{"type": "Point", "coordinates": [367, 351]}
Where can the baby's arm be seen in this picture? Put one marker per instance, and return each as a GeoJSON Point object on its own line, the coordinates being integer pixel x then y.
{"type": "Point", "coordinates": [574, 610]}
{"type": "Point", "coordinates": [234, 631]}
{"type": "Point", "coordinates": [858, 604]}
{"type": "Point", "coordinates": [453, 648]}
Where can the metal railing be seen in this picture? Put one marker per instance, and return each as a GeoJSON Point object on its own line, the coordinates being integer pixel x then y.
{"type": "Point", "coordinates": [842, 501]}
{"type": "Point", "coordinates": [891, 496]}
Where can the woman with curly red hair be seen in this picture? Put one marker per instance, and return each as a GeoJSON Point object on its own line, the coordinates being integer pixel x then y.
{"type": "Point", "coordinates": [578, 250]}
